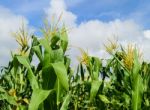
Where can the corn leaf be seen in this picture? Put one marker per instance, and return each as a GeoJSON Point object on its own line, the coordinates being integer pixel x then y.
{"type": "Point", "coordinates": [49, 77]}
{"type": "Point", "coordinates": [38, 96]}
{"type": "Point", "coordinates": [8, 98]}
{"type": "Point", "coordinates": [136, 84]}
{"type": "Point", "coordinates": [94, 89]}
{"type": "Point", "coordinates": [61, 73]}
{"type": "Point", "coordinates": [38, 52]}
{"type": "Point", "coordinates": [64, 39]}
{"type": "Point", "coordinates": [47, 51]}
{"type": "Point", "coordinates": [66, 102]}
{"type": "Point", "coordinates": [104, 99]}
{"type": "Point", "coordinates": [31, 77]}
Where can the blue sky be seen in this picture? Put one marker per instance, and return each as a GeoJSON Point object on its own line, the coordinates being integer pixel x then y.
{"type": "Point", "coordinates": [91, 21]}
{"type": "Point", "coordinates": [105, 10]}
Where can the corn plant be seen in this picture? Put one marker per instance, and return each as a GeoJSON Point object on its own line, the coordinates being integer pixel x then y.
{"type": "Point", "coordinates": [122, 84]}
{"type": "Point", "coordinates": [22, 82]}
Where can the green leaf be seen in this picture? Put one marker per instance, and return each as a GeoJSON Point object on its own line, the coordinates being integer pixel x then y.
{"type": "Point", "coordinates": [38, 96]}
{"type": "Point", "coordinates": [104, 99]}
{"type": "Point", "coordinates": [2, 90]}
{"type": "Point", "coordinates": [8, 98]}
{"type": "Point", "coordinates": [55, 39]}
{"type": "Point", "coordinates": [49, 77]}
{"type": "Point", "coordinates": [24, 61]}
{"type": "Point", "coordinates": [38, 52]}
{"type": "Point", "coordinates": [137, 93]}
{"type": "Point", "coordinates": [127, 98]}
{"type": "Point", "coordinates": [47, 51]}
{"type": "Point", "coordinates": [21, 107]}
{"type": "Point", "coordinates": [82, 72]}
{"type": "Point", "coordinates": [94, 89]}
{"type": "Point", "coordinates": [57, 55]}
{"type": "Point", "coordinates": [137, 65]}
{"type": "Point", "coordinates": [61, 73]}
{"type": "Point", "coordinates": [66, 103]}
{"type": "Point", "coordinates": [59, 91]}
{"type": "Point", "coordinates": [31, 76]}
{"type": "Point", "coordinates": [137, 84]}
{"type": "Point", "coordinates": [64, 39]}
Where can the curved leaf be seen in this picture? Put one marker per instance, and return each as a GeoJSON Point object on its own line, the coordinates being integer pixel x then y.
{"type": "Point", "coordinates": [94, 89]}
{"type": "Point", "coordinates": [61, 73]}
{"type": "Point", "coordinates": [31, 77]}
{"type": "Point", "coordinates": [38, 96]}
{"type": "Point", "coordinates": [66, 102]}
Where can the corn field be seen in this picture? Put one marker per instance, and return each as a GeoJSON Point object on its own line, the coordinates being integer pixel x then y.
{"type": "Point", "coordinates": [123, 83]}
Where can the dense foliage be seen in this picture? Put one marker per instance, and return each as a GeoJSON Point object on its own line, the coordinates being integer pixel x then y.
{"type": "Point", "coordinates": [123, 83]}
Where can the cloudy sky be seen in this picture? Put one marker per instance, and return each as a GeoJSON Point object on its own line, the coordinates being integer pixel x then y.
{"type": "Point", "coordinates": [91, 22]}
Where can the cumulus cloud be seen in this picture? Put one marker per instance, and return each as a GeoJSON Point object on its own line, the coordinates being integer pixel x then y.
{"type": "Point", "coordinates": [147, 34]}
{"type": "Point", "coordinates": [58, 7]}
{"type": "Point", "coordinates": [9, 22]}
{"type": "Point", "coordinates": [92, 34]}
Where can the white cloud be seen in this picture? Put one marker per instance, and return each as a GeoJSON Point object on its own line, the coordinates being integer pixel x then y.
{"type": "Point", "coordinates": [92, 34]}
{"type": "Point", "coordinates": [58, 7]}
{"type": "Point", "coordinates": [95, 32]}
{"type": "Point", "coordinates": [147, 34]}
{"type": "Point", "coordinates": [9, 22]}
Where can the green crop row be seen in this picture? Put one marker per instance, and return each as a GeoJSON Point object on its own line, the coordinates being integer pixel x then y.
{"type": "Point", "coordinates": [122, 84]}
